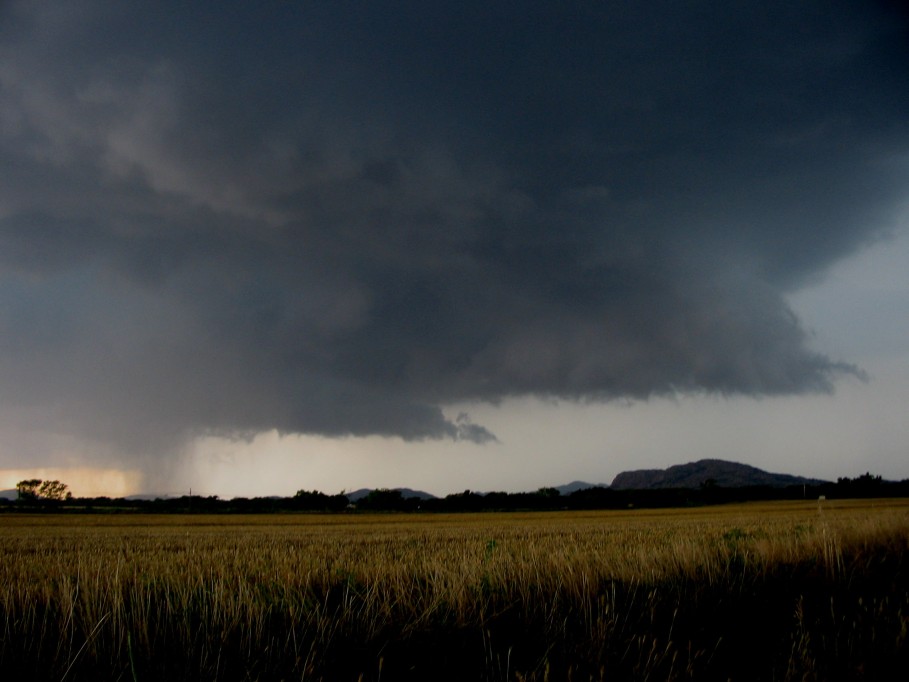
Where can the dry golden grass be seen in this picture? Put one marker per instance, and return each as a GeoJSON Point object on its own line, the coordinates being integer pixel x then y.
{"type": "Point", "coordinates": [670, 594]}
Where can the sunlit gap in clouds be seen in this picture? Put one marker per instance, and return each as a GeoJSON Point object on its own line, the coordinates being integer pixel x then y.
{"type": "Point", "coordinates": [82, 481]}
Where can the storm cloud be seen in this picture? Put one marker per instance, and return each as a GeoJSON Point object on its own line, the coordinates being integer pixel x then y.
{"type": "Point", "coordinates": [343, 218]}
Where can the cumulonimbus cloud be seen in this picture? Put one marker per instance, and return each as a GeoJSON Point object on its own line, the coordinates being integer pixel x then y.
{"type": "Point", "coordinates": [323, 221]}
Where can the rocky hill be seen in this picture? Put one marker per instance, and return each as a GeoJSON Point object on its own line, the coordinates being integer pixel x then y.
{"type": "Point", "coordinates": [695, 474]}
{"type": "Point", "coordinates": [406, 493]}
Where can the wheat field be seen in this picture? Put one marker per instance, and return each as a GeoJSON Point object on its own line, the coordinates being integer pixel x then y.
{"type": "Point", "coordinates": [758, 591]}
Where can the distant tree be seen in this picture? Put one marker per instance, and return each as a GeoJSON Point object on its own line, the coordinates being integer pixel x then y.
{"type": "Point", "coordinates": [383, 499]}
{"type": "Point", "coordinates": [28, 489]}
{"type": "Point", "coordinates": [466, 501]}
{"type": "Point", "coordinates": [318, 501]}
{"type": "Point", "coordinates": [869, 479]}
{"type": "Point", "coordinates": [865, 479]}
{"type": "Point", "coordinates": [34, 489]}
{"type": "Point", "coordinates": [596, 498]}
{"type": "Point", "coordinates": [54, 490]}
{"type": "Point", "coordinates": [866, 485]}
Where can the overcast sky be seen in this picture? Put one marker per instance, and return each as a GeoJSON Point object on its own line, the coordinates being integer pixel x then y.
{"type": "Point", "coordinates": [254, 247]}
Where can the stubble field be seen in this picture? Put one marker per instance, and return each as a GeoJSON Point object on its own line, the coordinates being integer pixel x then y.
{"type": "Point", "coordinates": [746, 592]}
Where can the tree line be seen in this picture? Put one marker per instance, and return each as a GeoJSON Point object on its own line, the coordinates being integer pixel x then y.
{"type": "Point", "coordinates": [37, 495]}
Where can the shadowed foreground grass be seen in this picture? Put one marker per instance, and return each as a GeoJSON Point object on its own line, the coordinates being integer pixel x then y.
{"type": "Point", "coordinates": [748, 592]}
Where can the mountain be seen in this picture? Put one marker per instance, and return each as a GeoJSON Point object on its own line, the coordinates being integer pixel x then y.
{"type": "Point", "coordinates": [406, 493]}
{"type": "Point", "coordinates": [9, 494]}
{"type": "Point", "coordinates": [694, 474]}
{"type": "Point", "coordinates": [574, 486]}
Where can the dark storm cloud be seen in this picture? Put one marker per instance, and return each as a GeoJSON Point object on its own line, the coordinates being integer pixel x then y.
{"type": "Point", "coordinates": [339, 218]}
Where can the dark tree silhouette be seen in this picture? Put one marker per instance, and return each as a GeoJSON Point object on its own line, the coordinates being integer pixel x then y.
{"type": "Point", "coordinates": [28, 489]}
{"type": "Point", "coordinates": [34, 489]}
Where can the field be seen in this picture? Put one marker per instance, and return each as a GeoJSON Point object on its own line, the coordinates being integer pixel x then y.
{"type": "Point", "coordinates": [747, 592]}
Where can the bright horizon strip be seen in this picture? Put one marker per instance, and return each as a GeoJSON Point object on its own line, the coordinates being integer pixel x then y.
{"type": "Point", "coordinates": [82, 481]}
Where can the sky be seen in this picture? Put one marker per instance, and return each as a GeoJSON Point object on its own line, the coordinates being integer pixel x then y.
{"type": "Point", "coordinates": [252, 248]}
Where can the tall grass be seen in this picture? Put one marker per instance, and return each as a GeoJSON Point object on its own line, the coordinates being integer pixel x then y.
{"type": "Point", "coordinates": [778, 591]}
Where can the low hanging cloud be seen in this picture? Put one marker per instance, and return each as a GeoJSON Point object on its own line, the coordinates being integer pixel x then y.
{"type": "Point", "coordinates": [339, 219]}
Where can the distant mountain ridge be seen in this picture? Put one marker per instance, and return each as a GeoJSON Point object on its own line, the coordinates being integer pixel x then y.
{"type": "Point", "coordinates": [695, 474]}
{"type": "Point", "coordinates": [575, 486]}
{"type": "Point", "coordinates": [406, 493]}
